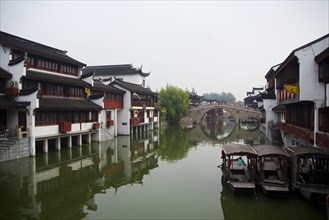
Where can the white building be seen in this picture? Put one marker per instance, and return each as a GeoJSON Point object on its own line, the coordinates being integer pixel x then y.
{"type": "Point", "coordinates": [300, 85]}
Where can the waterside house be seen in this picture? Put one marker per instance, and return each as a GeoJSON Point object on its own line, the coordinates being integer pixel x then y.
{"type": "Point", "coordinates": [139, 112]}
{"type": "Point", "coordinates": [296, 100]}
{"type": "Point", "coordinates": [47, 103]}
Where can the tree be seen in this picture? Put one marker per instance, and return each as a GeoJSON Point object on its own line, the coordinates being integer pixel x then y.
{"type": "Point", "coordinates": [222, 97]}
{"type": "Point", "coordinates": [175, 101]}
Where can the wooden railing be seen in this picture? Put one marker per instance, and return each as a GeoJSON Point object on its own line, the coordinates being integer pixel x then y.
{"type": "Point", "coordinates": [136, 121]}
{"type": "Point", "coordinates": [302, 133]}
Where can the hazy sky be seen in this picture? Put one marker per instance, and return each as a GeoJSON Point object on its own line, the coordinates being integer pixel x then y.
{"type": "Point", "coordinates": [208, 46]}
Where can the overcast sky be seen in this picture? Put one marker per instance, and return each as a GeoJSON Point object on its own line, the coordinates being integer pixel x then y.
{"type": "Point", "coordinates": [208, 46]}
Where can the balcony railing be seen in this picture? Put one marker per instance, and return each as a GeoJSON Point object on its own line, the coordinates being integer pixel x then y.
{"type": "Point", "coordinates": [302, 133]}
{"type": "Point", "coordinates": [136, 121]}
{"type": "Point", "coordinates": [141, 103]}
{"type": "Point", "coordinates": [65, 127]}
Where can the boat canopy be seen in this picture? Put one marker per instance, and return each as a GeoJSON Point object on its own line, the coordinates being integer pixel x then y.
{"type": "Point", "coordinates": [238, 149]}
{"type": "Point", "coordinates": [304, 151]}
{"type": "Point", "coordinates": [270, 150]}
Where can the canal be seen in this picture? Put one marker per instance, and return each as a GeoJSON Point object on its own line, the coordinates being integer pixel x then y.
{"type": "Point", "coordinates": [165, 174]}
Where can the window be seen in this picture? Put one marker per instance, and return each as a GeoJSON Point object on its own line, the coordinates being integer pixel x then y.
{"type": "Point", "coordinates": [69, 69]}
{"type": "Point", "coordinates": [76, 92]}
{"type": "Point", "coordinates": [108, 115]}
{"type": "Point", "coordinates": [324, 119]}
{"type": "Point", "coordinates": [324, 70]}
{"type": "Point", "coordinates": [2, 85]}
{"type": "Point", "coordinates": [53, 89]}
{"type": "Point", "coordinates": [94, 116]}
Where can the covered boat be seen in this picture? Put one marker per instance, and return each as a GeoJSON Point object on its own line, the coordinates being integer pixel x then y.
{"type": "Point", "coordinates": [238, 167]}
{"type": "Point", "coordinates": [272, 169]}
{"type": "Point", "coordinates": [309, 168]}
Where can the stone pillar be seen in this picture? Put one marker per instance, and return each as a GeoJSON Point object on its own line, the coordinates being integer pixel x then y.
{"type": "Point", "coordinates": [45, 146]}
{"type": "Point", "coordinates": [89, 138]}
{"type": "Point", "coordinates": [79, 140]}
{"type": "Point", "coordinates": [69, 141]}
{"type": "Point", "coordinates": [316, 119]}
{"type": "Point", "coordinates": [58, 143]}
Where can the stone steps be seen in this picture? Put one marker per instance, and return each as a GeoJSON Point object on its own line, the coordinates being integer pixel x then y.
{"type": "Point", "coordinates": [7, 147]}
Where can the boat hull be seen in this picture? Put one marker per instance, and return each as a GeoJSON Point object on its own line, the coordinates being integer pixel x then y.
{"type": "Point", "coordinates": [271, 190]}
{"type": "Point", "coordinates": [242, 188]}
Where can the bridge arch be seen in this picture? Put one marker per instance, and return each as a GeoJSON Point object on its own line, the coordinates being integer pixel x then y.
{"type": "Point", "coordinates": [238, 112]}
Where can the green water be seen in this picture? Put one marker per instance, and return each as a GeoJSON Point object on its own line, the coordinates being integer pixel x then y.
{"type": "Point", "coordinates": [168, 174]}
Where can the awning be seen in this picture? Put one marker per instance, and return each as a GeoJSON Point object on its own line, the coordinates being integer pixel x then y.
{"type": "Point", "coordinates": [279, 108]}
{"type": "Point", "coordinates": [10, 103]}
{"type": "Point", "coordinates": [67, 104]}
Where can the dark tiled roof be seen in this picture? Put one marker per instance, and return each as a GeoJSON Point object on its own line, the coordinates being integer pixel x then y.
{"type": "Point", "coordinates": [97, 96]}
{"type": "Point", "coordinates": [9, 103]}
{"type": "Point", "coordinates": [108, 88]}
{"type": "Point", "coordinates": [267, 96]}
{"type": "Point", "coordinates": [113, 70]}
{"type": "Point", "coordinates": [5, 74]}
{"type": "Point", "coordinates": [292, 54]}
{"type": "Point", "coordinates": [55, 78]}
{"type": "Point", "coordinates": [323, 55]}
{"type": "Point", "coordinates": [271, 72]}
{"type": "Point", "coordinates": [29, 91]}
{"type": "Point", "coordinates": [17, 60]}
{"type": "Point", "coordinates": [67, 104]}
{"type": "Point", "coordinates": [32, 47]}
{"type": "Point", "coordinates": [87, 75]}
{"type": "Point", "coordinates": [279, 108]}
{"type": "Point", "coordinates": [134, 87]}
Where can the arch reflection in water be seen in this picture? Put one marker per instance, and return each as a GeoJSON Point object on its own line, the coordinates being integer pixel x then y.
{"type": "Point", "coordinates": [63, 184]}
{"type": "Point", "coordinates": [227, 131]}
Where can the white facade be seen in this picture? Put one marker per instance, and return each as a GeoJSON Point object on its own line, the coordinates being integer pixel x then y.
{"type": "Point", "coordinates": [310, 88]}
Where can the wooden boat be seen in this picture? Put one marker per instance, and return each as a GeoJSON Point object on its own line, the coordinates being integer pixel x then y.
{"type": "Point", "coordinates": [238, 167]}
{"type": "Point", "coordinates": [310, 173]}
{"type": "Point", "coordinates": [272, 169]}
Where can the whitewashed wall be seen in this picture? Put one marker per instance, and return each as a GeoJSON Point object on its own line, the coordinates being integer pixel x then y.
{"type": "Point", "coordinates": [310, 88]}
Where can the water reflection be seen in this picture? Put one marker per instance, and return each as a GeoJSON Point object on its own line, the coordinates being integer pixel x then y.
{"type": "Point", "coordinates": [58, 185]}
{"type": "Point", "coordinates": [225, 131]}
{"type": "Point", "coordinates": [168, 174]}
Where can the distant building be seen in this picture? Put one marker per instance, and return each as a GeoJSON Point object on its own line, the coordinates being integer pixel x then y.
{"type": "Point", "coordinates": [251, 99]}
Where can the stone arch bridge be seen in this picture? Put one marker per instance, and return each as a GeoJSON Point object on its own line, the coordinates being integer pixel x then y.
{"type": "Point", "coordinates": [238, 112]}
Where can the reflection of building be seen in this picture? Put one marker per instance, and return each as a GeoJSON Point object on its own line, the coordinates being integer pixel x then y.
{"type": "Point", "coordinates": [130, 160]}
{"type": "Point", "coordinates": [54, 186]}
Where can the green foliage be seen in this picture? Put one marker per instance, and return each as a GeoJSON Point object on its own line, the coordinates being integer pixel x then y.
{"type": "Point", "coordinates": [174, 144]}
{"type": "Point", "coordinates": [222, 97]}
{"type": "Point", "coordinates": [176, 103]}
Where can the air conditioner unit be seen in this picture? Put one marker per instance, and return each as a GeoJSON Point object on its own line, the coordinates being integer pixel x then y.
{"type": "Point", "coordinates": [12, 84]}
{"type": "Point", "coordinates": [12, 88]}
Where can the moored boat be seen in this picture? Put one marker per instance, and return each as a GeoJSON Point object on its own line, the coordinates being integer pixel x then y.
{"type": "Point", "coordinates": [238, 167]}
{"type": "Point", "coordinates": [310, 173]}
{"type": "Point", "coordinates": [272, 169]}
